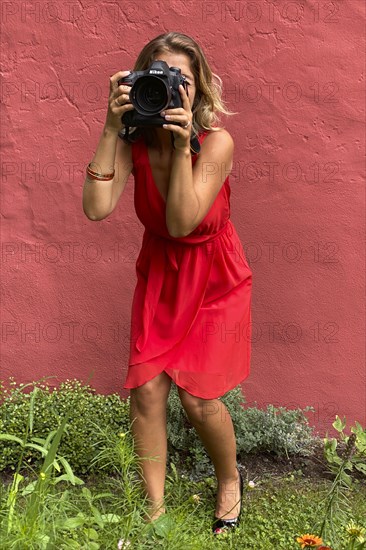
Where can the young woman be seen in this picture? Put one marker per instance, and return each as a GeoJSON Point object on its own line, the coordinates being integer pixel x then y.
{"type": "Point", "coordinates": [191, 311]}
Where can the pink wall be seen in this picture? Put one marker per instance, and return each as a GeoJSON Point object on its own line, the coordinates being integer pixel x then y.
{"type": "Point", "coordinates": [294, 71]}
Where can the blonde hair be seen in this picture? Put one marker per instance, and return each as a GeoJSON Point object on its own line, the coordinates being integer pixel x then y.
{"type": "Point", "coordinates": [208, 100]}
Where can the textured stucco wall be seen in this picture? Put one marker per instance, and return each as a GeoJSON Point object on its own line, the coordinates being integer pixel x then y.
{"type": "Point", "coordinates": [294, 72]}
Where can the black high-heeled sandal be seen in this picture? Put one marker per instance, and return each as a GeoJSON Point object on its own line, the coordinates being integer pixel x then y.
{"type": "Point", "coordinates": [222, 525]}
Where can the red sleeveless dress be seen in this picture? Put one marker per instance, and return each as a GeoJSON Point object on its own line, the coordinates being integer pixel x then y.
{"type": "Point", "coordinates": [191, 309]}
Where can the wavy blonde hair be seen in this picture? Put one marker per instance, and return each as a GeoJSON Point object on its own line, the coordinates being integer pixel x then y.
{"type": "Point", "coordinates": [208, 100]}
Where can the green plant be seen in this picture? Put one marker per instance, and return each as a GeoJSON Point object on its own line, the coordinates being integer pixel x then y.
{"type": "Point", "coordinates": [83, 528]}
{"type": "Point", "coordinates": [118, 455]}
{"type": "Point", "coordinates": [274, 429]}
{"type": "Point", "coordinates": [273, 510]}
{"type": "Point", "coordinates": [335, 508]}
{"type": "Point", "coordinates": [357, 460]}
{"type": "Point", "coordinates": [336, 501]}
{"type": "Point", "coordinates": [86, 408]}
{"type": "Point", "coordinates": [41, 517]}
{"type": "Point", "coordinates": [37, 490]}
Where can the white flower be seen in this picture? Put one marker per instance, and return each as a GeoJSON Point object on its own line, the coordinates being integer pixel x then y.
{"type": "Point", "coordinates": [122, 544]}
{"type": "Point", "coordinates": [251, 484]}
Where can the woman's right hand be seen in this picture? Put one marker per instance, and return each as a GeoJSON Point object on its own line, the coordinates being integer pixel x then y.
{"type": "Point", "coordinates": [118, 102]}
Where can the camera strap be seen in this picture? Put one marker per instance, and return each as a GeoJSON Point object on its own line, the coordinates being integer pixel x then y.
{"type": "Point", "coordinates": [195, 145]}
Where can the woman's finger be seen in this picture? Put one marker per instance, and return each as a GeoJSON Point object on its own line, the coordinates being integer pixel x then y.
{"type": "Point", "coordinates": [122, 99]}
{"type": "Point", "coordinates": [185, 98]}
{"type": "Point", "coordinates": [116, 77]}
{"type": "Point", "coordinates": [177, 111]}
{"type": "Point", "coordinates": [178, 118]}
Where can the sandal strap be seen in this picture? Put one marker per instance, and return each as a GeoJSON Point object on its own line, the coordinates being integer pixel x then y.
{"type": "Point", "coordinates": [225, 522]}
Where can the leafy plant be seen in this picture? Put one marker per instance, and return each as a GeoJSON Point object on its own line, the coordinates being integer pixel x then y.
{"type": "Point", "coordinates": [87, 409]}
{"type": "Point", "coordinates": [335, 508]}
{"type": "Point", "coordinates": [84, 526]}
{"type": "Point", "coordinates": [37, 489]}
{"type": "Point", "coordinates": [358, 457]}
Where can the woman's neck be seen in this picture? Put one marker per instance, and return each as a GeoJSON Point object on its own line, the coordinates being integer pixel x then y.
{"type": "Point", "coordinates": [163, 141]}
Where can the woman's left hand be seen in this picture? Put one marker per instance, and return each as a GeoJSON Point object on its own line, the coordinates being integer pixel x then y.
{"type": "Point", "coordinates": [183, 115]}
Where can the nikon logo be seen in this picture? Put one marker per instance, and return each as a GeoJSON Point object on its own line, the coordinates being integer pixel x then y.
{"type": "Point", "coordinates": [154, 71]}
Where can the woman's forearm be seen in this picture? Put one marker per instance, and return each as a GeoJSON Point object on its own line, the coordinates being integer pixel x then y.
{"type": "Point", "coordinates": [182, 203]}
{"type": "Point", "coordinates": [97, 195]}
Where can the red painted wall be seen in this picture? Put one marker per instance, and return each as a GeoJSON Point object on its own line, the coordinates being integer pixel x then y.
{"type": "Point", "coordinates": [294, 72]}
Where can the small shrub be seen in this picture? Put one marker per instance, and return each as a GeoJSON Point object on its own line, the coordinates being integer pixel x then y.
{"type": "Point", "coordinates": [274, 430]}
{"type": "Point", "coordinates": [87, 411]}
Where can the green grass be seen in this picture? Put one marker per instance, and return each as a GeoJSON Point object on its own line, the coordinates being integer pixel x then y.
{"type": "Point", "coordinates": [274, 513]}
{"type": "Point", "coordinates": [44, 505]}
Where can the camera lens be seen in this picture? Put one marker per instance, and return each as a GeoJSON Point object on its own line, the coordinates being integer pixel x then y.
{"type": "Point", "coordinates": [150, 95]}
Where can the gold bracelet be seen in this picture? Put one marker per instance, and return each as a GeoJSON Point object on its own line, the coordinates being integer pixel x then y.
{"type": "Point", "coordinates": [96, 176]}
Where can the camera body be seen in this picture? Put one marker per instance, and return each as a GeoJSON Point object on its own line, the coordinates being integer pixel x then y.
{"type": "Point", "coordinates": [153, 91]}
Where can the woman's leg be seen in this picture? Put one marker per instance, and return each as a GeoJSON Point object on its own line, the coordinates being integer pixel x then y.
{"type": "Point", "coordinates": [148, 416]}
{"type": "Point", "coordinates": [213, 423]}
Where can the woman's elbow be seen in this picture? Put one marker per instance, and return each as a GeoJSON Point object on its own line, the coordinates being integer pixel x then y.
{"type": "Point", "coordinates": [92, 216]}
{"type": "Point", "coordinates": [177, 232]}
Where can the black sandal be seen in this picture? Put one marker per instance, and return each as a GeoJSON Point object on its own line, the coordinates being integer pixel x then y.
{"type": "Point", "coordinates": [222, 525]}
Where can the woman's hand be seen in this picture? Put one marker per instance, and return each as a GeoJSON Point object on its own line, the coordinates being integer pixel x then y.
{"type": "Point", "coordinates": [183, 115]}
{"type": "Point", "coordinates": [118, 102]}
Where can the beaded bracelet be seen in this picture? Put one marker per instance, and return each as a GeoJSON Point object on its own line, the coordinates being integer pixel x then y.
{"type": "Point", "coordinates": [96, 176]}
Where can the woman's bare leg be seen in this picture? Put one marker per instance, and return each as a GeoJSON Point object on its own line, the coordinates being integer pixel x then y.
{"type": "Point", "coordinates": [213, 423]}
{"type": "Point", "coordinates": [148, 416]}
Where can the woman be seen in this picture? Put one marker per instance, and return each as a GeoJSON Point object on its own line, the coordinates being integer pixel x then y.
{"type": "Point", "coordinates": [191, 318]}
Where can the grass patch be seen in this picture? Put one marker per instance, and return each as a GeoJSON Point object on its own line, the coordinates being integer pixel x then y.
{"type": "Point", "coordinates": [57, 493]}
{"type": "Point", "coordinates": [99, 514]}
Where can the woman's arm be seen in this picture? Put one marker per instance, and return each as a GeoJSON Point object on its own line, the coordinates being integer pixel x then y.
{"type": "Point", "coordinates": [192, 191]}
{"type": "Point", "coordinates": [101, 197]}
{"type": "Point", "coordinates": [182, 205]}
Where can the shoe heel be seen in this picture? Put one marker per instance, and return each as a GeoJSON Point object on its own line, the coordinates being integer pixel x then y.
{"type": "Point", "coordinates": [221, 525]}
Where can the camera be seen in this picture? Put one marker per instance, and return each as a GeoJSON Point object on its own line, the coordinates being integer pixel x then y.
{"type": "Point", "coordinates": [153, 91]}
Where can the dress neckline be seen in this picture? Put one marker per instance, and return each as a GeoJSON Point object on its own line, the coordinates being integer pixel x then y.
{"type": "Point", "coordinates": [146, 152]}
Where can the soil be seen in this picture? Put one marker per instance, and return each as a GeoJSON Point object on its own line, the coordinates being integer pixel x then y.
{"type": "Point", "coordinates": [267, 464]}
{"type": "Point", "coordinates": [314, 466]}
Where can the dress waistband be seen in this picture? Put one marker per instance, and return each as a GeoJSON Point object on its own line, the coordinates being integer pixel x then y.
{"type": "Point", "coordinates": [194, 239]}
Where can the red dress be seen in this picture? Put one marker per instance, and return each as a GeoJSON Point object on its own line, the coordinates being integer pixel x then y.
{"type": "Point", "coordinates": [191, 309]}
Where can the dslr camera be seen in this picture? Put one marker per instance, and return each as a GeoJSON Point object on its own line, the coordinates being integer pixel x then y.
{"type": "Point", "coordinates": [153, 91]}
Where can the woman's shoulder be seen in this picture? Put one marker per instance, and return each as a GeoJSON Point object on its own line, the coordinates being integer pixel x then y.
{"type": "Point", "coordinates": [212, 142]}
{"type": "Point", "coordinates": [217, 136]}
{"type": "Point", "coordinates": [216, 130]}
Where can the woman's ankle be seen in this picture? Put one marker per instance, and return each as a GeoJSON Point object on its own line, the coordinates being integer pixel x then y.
{"type": "Point", "coordinates": [154, 510]}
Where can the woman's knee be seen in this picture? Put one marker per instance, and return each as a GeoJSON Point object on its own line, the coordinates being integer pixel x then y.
{"type": "Point", "coordinates": [152, 394]}
{"type": "Point", "coordinates": [197, 409]}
